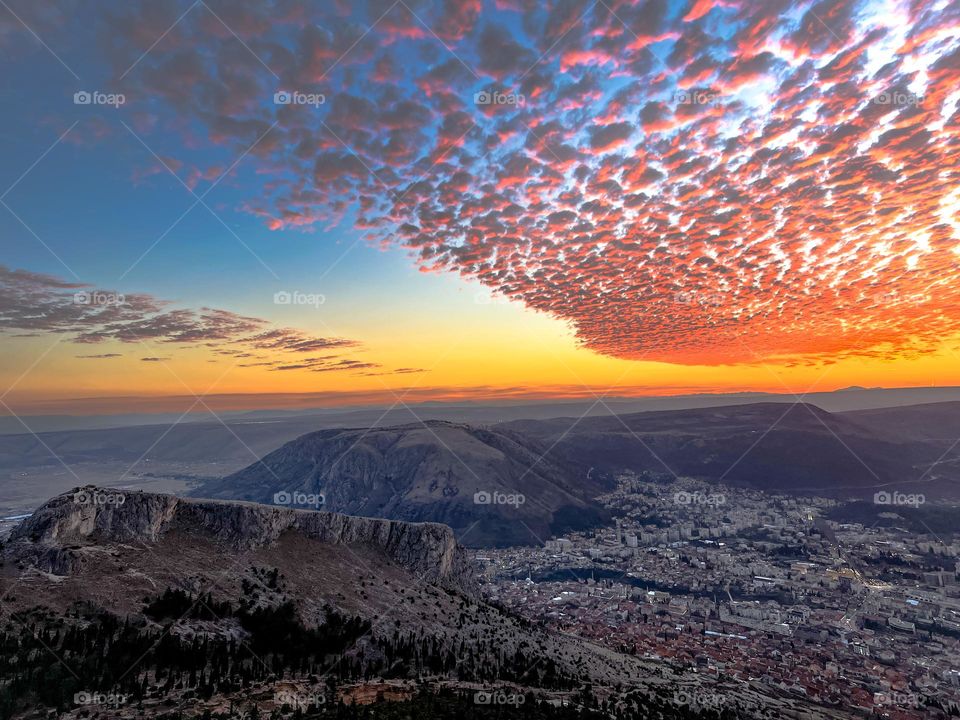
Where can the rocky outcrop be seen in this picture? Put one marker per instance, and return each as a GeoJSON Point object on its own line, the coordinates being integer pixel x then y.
{"type": "Point", "coordinates": [98, 516]}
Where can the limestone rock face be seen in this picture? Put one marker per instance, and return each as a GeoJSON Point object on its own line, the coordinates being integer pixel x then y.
{"type": "Point", "coordinates": [98, 516]}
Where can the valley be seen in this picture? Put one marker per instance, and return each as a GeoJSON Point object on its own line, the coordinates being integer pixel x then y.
{"type": "Point", "coordinates": [654, 565]}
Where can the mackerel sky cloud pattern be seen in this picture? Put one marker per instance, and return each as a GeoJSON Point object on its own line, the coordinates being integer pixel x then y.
{"type": "Point", "coordinates": [693, 182]}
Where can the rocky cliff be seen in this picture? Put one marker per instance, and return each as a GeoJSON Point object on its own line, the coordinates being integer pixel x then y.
{"type": "Point", "coordinates": [98, 516]}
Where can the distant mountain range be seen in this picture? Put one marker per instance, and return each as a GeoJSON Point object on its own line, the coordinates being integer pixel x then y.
{"type": "Point", "coordinates": [434, 470]}
{"type": "Point", "coordinates": [431, 470]}
{"type": "Point", "coordinates": [768, 446]}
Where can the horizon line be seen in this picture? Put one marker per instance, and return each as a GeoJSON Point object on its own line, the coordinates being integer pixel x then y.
{"type": "Point", "coordinates": [106, 405]}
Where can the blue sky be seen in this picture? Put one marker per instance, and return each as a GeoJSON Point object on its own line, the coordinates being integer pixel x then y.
{"type": "Point", "coordinates": [661, 195]}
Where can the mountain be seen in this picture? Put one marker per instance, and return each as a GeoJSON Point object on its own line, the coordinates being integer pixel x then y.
{"type": "Point", "coordinates": [138, 605]}
{"type": "Point", "coordinates": [170, 454]}
{"type": "Point", "coordinates": [795, 447]}
{"type": "Point", "coordinates": [553, 468]}
{"type": "Point", "coordinates": [492, 487]}
{"type": "Point", "coordinates": [935, 423]}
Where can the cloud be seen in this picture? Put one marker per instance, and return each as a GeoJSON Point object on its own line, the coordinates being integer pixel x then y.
{"type": "Point", "coordinates": [43, 19]}
{"type": "Point", "coordinates": [396, 371]}
{"type": "Point", "coordinates": [710, 184]}
{"type": "Point", "coordinates": [345, 365]}
{"type": "Point", "coordinates": [610, 137]}
{"type": "Point", "coordinates": [91, 316]}
{"type": "Point", "coordinates": [295, 341]}
{"type": "Point", "coordinates": [329, 363]}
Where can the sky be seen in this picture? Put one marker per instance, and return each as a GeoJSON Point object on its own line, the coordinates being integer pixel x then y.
{"type": "Point", "coordinates": [399, 200]}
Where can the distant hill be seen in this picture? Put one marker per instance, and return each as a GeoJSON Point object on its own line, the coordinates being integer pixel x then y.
{"type": "Point", "coordinates": [493, 487]}
{"type": "Point", "coordinates": [768, 446]}
{"type": "Point", "coordinates": [937, 423]}
{"type": "Point", "coordinates": [430, 471]}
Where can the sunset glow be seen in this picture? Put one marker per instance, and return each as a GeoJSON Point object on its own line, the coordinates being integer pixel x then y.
{"type": "Point", "coordinates": [446, 201]}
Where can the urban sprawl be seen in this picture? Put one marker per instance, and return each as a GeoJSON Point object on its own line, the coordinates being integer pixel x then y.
{"type": "Point", "coordinates": [746, 586]}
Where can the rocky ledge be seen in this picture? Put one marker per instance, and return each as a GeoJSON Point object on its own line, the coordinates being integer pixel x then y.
{"type": "Point", "coordinates": [97, 516]}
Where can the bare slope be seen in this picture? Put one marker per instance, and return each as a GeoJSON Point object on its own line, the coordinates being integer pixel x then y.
{"type": "Point", "coordinates": [492, 487]}
{"type": "Point", "coordinates": [770, 446]}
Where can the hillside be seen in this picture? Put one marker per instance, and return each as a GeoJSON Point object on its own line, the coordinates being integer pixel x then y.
{"type": "Point", "coordinates": [769, 446]}
{"type": "Point", "coordinates": [492, 487]}
{"type": "Point", "coordinates": [936, 423]}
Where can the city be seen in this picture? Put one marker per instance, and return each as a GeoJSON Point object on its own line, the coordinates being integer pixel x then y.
{"type": "Point", "coordinates": [761, 588]}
